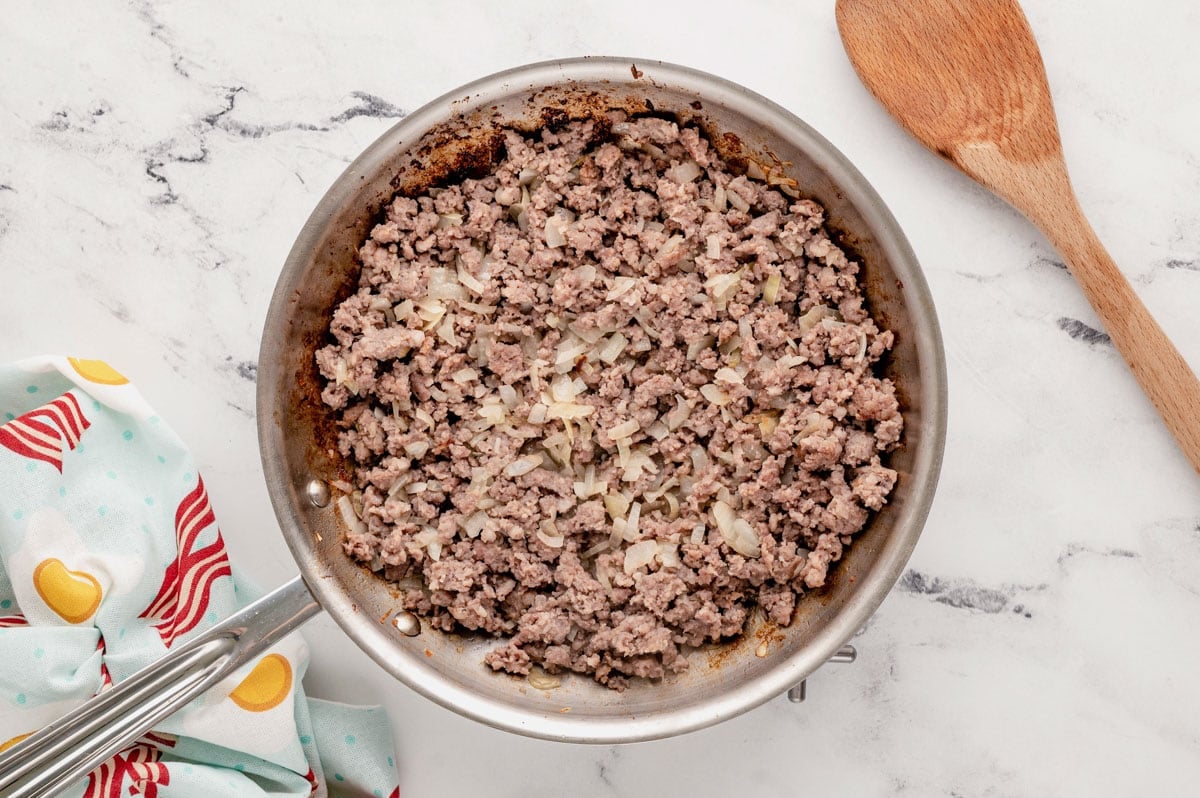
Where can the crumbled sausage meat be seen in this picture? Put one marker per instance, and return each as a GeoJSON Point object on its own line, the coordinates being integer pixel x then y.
{"type": "Point", "coordinates": [607, 399]}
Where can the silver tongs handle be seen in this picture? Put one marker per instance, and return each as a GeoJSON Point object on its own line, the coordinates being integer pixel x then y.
{"type": "Point", "coordinates": [64, 752]}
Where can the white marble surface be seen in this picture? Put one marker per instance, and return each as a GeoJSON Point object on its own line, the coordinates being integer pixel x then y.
{"type": "Point", "coordinates": [158, 159]}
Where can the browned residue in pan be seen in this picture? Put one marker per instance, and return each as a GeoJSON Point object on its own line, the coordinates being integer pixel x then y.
{"type": "Point", "coordinates": [718, 654]}
{"type": "Point", "coordinates": [767, 633]}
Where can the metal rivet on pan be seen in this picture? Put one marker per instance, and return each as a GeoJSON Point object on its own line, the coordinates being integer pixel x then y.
{"type": "Point", "coordinates": [407, 624]}
{"type": "Point", "coordinates": [317, 492]}
{"type": "Point", "coordinates": [796, 694]}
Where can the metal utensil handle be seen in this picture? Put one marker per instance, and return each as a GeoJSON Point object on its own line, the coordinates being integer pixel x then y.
{"type": "Point", "coordinates": [72, 746]}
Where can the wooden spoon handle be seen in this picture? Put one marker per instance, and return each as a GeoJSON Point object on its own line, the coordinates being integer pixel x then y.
{"type": "Point", "coordinates": [1159, 368]}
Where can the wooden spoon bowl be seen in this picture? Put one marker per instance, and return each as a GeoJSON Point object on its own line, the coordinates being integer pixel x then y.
{"type": "Point", "coordinates": [966, 78]}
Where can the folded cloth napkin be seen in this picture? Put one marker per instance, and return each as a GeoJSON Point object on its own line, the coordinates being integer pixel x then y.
{"type": "Point", "coordinates": [109, 554]}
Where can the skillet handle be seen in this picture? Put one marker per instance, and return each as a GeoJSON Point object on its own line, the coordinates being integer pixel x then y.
{"type": "Point", "coordinates": [68, 749]}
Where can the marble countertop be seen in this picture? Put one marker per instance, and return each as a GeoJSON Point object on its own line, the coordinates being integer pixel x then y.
{"type": "Point", "coordinates": [158, 160]}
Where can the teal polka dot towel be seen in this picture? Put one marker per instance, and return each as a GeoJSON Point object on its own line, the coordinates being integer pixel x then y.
{"type": "Point", "coordinates": [109, 554]}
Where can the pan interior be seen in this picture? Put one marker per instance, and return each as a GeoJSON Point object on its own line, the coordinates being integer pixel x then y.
{"type": "Point", "coordinates": [298, 443]}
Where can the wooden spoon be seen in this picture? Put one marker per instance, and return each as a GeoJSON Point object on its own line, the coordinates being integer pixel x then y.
{"type": "Point", "coordinates": [966, 78]}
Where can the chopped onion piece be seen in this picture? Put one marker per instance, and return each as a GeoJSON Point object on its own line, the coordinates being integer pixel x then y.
{"type": "Point", "coordinates": [713, 243]}
{"type": "Point", "coordinates": [618, 533]}
{"type": "Point", "coordinates": [495, 413]}
{"type": "Point", "coordinates": [745, 539]}
{"type": "Point", "coordinates": [714, 394]}
{"type": "Point", "coordinates": [685, 172]}
{"type": "Point", "coordinates": [568, 352]}
{"type": "Point", "coordinates": [737, 202]}
{"type": "Point", "coordinates": [465, 375]}
{"type": "Point", "coordinates": [699, 532]}
{"type": "Point", "coordinates": [724, 516]}
{"type": "Point", "coordinates": [631, 523]}
{"type": "Point", "coordinates": [523, 465]}
{"type": "Point", "coordinates": [623, 452]}
{"type": "Point", "coordinates": [569, 410]}
{"type": "Point", "coordinates": [537, 414]}
{"type": "Point", "coordinates": [668, 554]}
{"type": "Point", "coordinates": [555, 226]}
{"type": "Point", "coordinates": [475, 523]}
{"type": "Point", "coordinates": [508, 395]}
{"type": "Point", "coordinates": [677, 415]}
{"type": "Point", "coordinates": [621, 286]}
{"type": "Point", "coordinates": [624, 430]}
{"type": "Point", "coordinates": [726, 374]}
{"type": "Point", "coordinates": [771, 288]}
{"type": "Point", "coordinates": [599, 548]}
{"type": "Point", "coordinates": [613, 348]}
{"type": "Point", "coordinates": [472, 283]}
{"type": "Point", "coordinates": [553, 541]}
{"type": "Point", "coordinates": [658, 430]}
{"type": "Point", "coordinates": [653, 149]}
{"type": "Point", "coordinates": [724, 285]}
{"type": "Point", "coordinates": [790, 361]}
{"type": "Point", "coordinates": [351, 519]}
{"type": "Point", "coordinates": [699, 345]}
{"type": "Point", "coordinates": [562, 389]}
{"type": "Point", "coordinates": [670, 247]}
{"type": "Point", "coordinates": [720, 198]}
{"type": "Point", "coordinates": [589, 334]}
{"type": "Point", "coordinates": [475, 307]}
{"type": "Point", "coordinates": [416, 449]}
{"type": "Point", "coordinates": [815, 315]}
{"type": "Point", "coordinates": [535, 372]}
{"type": "Point", "coordinates": [582, 489]}
{"type": "Point", "coordinates": [639, 461]}
{"type": "Point", "coordinates": [430, 311]}
{"type": "Point", "coordinates": [602, 576]}
{"type": "Point", "coordinates": [640, 554]}
{"type": "Point", "coordinates": [616, 504]}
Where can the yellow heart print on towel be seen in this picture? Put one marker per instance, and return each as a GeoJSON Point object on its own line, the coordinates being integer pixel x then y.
{"type": "Point", "coordinates": [73, 595]}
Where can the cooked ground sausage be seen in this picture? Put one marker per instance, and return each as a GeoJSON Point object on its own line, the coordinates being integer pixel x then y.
{"type": "Point", "coordinates": [606, 400]}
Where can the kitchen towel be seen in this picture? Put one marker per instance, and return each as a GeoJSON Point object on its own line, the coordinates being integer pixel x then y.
{"type": "Point", "coordinates": [110, 554]}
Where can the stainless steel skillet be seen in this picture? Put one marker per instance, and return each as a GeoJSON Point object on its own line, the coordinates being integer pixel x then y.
{"type": "Point", "coordinates": [453, 133]}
